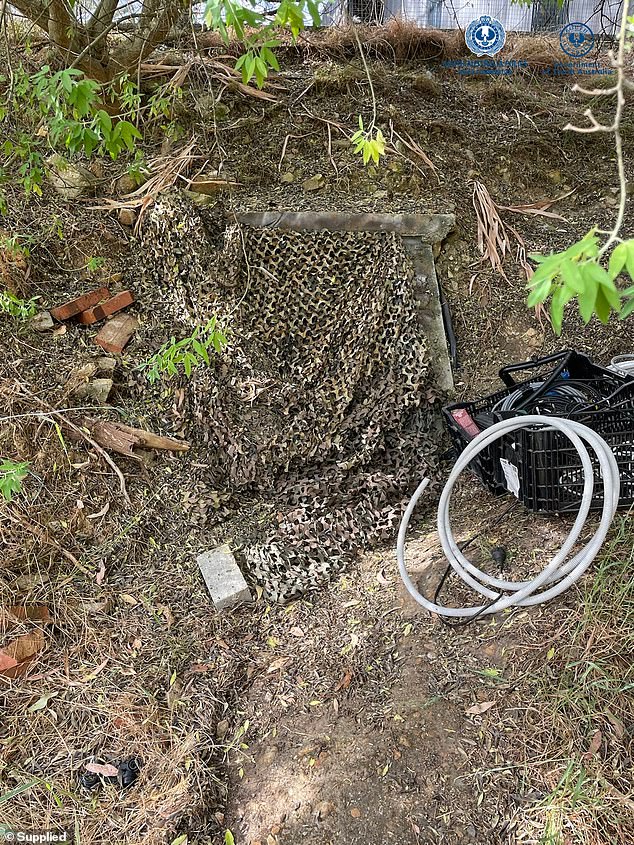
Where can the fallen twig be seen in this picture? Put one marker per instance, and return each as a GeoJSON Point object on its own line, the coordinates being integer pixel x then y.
{"type": "Point", "coordinates": [415, 148]}
{"type": "Point", "coordinates": [45, 538]}
{"type": "Point", "coordinates": [228, 76]}
{"type": "Point", "coordinates": [26, 394]}
{"type": "Point", "coordinates": [285, 144]}
{"type": "Point", "coordinates": [540, 207]}
{"type": "Point", "coordinates": [493, 237]}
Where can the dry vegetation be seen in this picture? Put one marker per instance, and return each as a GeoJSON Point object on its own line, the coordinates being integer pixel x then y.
{"type": "Point", "coordinates": [577, 728]}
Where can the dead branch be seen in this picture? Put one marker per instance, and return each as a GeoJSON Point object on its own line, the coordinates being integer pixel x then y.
{"type": "Point", "coordinates": [124, 439]}
{"type": "Point", "coordinates": [493, 240]}
{"type": "Point", "coordinates": [167, 170]}
{"type": "Point", "coordinates": [615, 127]}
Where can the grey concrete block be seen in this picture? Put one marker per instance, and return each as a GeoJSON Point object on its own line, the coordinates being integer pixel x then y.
{"type": "Point", "coordinates": [223, 578]}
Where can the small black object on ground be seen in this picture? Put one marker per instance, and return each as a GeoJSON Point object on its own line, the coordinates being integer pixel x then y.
{"type": "Point", "coordinates": [128, 771]}
{"type": "Point", "coordinates": [499, 556]}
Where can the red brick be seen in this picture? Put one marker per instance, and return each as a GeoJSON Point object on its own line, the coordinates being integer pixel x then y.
{"type": "Point", "coordinates": [116, 333]}
{"type": "Point", "coordinates": [76, 306]}
{"type": "Point", "coordinates": [107, 308]}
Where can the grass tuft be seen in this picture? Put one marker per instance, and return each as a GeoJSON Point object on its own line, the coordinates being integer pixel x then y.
{"type": "Point", "coordinates": [579, 731]}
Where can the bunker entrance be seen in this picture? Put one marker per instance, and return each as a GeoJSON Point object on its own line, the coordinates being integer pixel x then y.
{"type": "Point", "coordinates": [320, 417]}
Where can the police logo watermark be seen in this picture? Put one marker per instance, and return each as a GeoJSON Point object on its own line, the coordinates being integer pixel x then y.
{"type": "Point", "coordinates": [576, 39]}
{"type": "Point", "coordinates": [485, 36]}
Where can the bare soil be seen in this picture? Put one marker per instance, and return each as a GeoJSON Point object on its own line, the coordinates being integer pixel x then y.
{"type": "Point", "coordinates": [433, 755]}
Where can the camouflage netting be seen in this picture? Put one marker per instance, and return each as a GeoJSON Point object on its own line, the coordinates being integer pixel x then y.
{"type": "Point", "coordinates": [321, 403]}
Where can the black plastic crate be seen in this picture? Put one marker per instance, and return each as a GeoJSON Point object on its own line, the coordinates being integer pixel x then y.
{"type": "Point", "coordinates": [543, 467]}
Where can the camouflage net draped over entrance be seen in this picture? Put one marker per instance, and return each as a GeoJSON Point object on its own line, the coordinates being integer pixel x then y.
{"type": "Point", "coordinates": [320, 405]}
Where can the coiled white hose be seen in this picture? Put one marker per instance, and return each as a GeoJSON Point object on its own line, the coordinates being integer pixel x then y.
{"type": "Point", "coordinates": [560, 573]}
{"type": "Point", "coordinates": [623, 364]}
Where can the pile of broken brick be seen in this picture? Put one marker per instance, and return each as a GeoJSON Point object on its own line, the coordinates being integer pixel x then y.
{"type": "Point", "coordinates": [89, 308]}
{"type": "Point", "coordinates": [98, 305]}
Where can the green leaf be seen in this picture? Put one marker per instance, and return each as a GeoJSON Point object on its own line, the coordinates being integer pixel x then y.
{"type": "Point", "coordinates": [539, 293]}
{"type": "Point", "coordinates": [313, 10]}
{"type": "Point", "coordinates": [587, 247]}
{"type": "Point", "coordinates": [560, 299]}
{"type": "Point", "coordinates": [537, 258]}
{"type": "Point", "coordinates": [627, 309]}
{"type": "Point", "coordinates": [81, 98]}
{"type": "Point", "coordinates": [600, 275]}
{"type": "Point", "coordinates": [380, 143]}
{"type": "Point", "coordinates": [601, 306]}
{"type": "Point", "coordinates": [67, 81]}
{"type": "Point", "coordinates": [249, 68]}
{"type": "Point", "coordinates": [571, 275]}
{"type": "Point", "coordinates": [613, 297]}
{"type": "Point", "coordinates": [90, 141]}
{"type": "Point", "coordinates": [629, 261]}
{"type": "Point", "coordinates": [586, 300]}
{"type": "Point", "coordinates": [547, 270]}
{"type": "Point", "coordinates": [103, 120]}
{"type": "Point", "coordinates": [617, 260]}
{"type": "Point", "coordinates": [17, 790]}
{"type": "Point", "coordinates": [128, 133]}
{"type": "Point", "coordinates": [201, 350]}
{"type": "Point", "coordinates": [270, 58]}
{"type": "Point", "coordinates": [261, 71]}
{"type": "Point", "coordinates": [229, 838]}
{"type": "Point", "coordinates": [11, 477]}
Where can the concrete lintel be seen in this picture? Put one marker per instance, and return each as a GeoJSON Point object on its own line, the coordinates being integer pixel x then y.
{"type": "Point", "coordinates": [430, 228]}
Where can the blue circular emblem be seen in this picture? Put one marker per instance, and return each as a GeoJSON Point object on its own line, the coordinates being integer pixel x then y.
{"type": "Point", "coordinates": [576, 39]}
{"type": "Point", "coordinates": [485, 36]}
